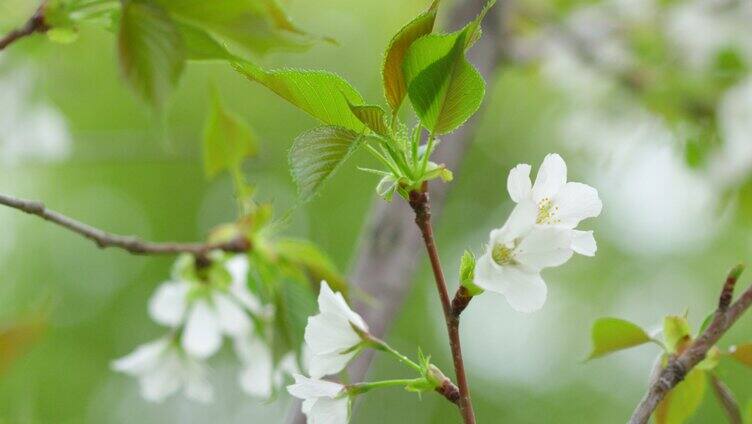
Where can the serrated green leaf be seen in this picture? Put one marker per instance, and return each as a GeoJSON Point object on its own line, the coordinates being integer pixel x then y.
{"type": "Point", "coordinates": [151, 51]}
{"type": "Point", "coordinates": [683, 400]}
{"type": "Point", "coordinates": [742, 353]}
{"type": "Point", "coordinates": [395, 87]}
{"type": "Point", "coordinates": [324, 95]}
{"type": "Point", "coordinates": [313, 261]}
{"type": "Point", "coordinates": [613, 334]}
{"type": "Point", "coordinates": [259, 26]}
{"type": "Point", "coordinates": [443, 87]}
{"type": "Point", "coordinates": [228, 141]}
{"type": "Point", "coordinates": [316, 154]}
{"type": "Point", "coordinates": [373, 117]}
{"type": "Point", "coordinates": [676, 332]}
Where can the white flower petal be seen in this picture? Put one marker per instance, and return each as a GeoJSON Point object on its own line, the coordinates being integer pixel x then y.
{"type": "Point", "coordinates": [202, 335]}
{"type": "Point", "coordinates": [544, 247]}
{"type": "Point", "coordinates": [551, 177]}
{"type": "Point", "coordinates": [197, 387]}
{"type": "Point", "coordinates": [232, 319]}
{"type": "Point", "coordinates": [520, 221]}
{"type": "Point", "coordinates": [309, 388]}
{"type": "Point", "coordinates": [583, 242]}
{"type": "Point", "coordinates": [238, 269]}
{"type": "Point", "coordinates": [575, 202]}
{"type": "Point", "coordinates": [163, 380]}
{"type": "Point", "coordinates": [167, 305]}
{"type": "Point", "coordinates": [329, 411]}
{"type": "Point", "coordinates": [141, 360]}
{"type": "Point", "coordinates": [334, 303]}
{"type": "Point", "coordinates": [487, 274]}
{"type": "Point", "coordinates": [326, 333]}
{"type": "Point", "coordinates": [329, 364]}
{"type": "Point", "coordinates": [525, 292]}
{"type": "Point", "coordinates": [256, 378]}
{"type": "Point", "coordinates": [518, 182]}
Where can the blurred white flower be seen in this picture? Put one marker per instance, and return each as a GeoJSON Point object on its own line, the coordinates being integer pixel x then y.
{"type": "Point", "coordinates": [559, 202]}
{"type": "Point", "coordinates": [207, 312]}
{"type": "Point", "coordinates": [260, 377]}
{"type": "Point", "coordinates": [162, 369]}
{"type": "Point", "coordinates": [31, 130]}
{"type": "Point", "coordinates": [331, 335]}
{"type": "Point", "coordinates": [516, 254]}
{"type": "Point", "coordinates": [722, 26]}
{"type": "Point", "coordinates": [733, 162]}
{"type": "Point", "coordinates": [324, 402]}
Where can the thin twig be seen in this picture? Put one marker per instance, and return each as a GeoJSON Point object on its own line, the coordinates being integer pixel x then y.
{"type": "Point", "coordinates": [678, 366]}
{"type": "Point", "coordinates": [420, 203]}
{"type": "Point", "coordinates": [35, 24]}
{"type": "Point", "coordinates": [727, 400]}
{"type": "Point", "coordinates": [131, 244]}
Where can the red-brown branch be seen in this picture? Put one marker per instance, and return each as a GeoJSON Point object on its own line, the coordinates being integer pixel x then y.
{"type": "Point", "coordinates": [420, 203]}
{"type": "Point", "coordinates": [679, 366]}
{"type": "Point", "coordinates": [35, 24]}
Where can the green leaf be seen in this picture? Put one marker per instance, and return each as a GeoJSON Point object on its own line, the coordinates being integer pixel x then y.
{"type": "Point", "coordinates": [316, 154]}
{"type": "Point", "coordinates": [152, 54]}
{"type": "Point", "coordinates": [295, 302]}
{"type": "Point", "coordinates": [227, 140]}
{"type": "Point", "coordinates": [444, 88]}
{"type": "Point", "coordinates": [257, 25]}
{"type": "Point", "coordinates": [682, 402]}
{"type": "Point", "coordinates": [467, 273]}
{"type": "Point", "coordinates": [395, 87]}
{"type": "Point", "coordinates": [324, 95]}
{"type": "Point", "coordinates": [676, 332]}
{"type": "Point", "coordinates": [200, 45]}
{"type": "Point", "coordinates": [742, 353]}
{"type": "Point", "coordinates": [373, 117]}
{"type": "Point", "coordinates": [613, 334]}
{"type": "Point", "coordinates": [62, 35]}
{"type": "Point", "coordinates": [712, 358]}
{"type": "Point", "coordinates": [315, 264]}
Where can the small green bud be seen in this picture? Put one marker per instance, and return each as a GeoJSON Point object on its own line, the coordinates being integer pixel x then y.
{"type": "Point", "coordinates": [467, 273]}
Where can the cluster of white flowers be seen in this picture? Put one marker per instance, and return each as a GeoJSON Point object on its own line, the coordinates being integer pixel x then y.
{"type": "Point", "coordinates": [539, 233]}
{"type": "Point", "coordinates": [200, 314]}
{"type": "Point", "coordinates": [333, 337]}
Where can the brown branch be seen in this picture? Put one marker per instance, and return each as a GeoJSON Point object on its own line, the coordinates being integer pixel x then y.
{"type": "Point", "coordinates": [420, 203]}
{"type": "Point", "coordinates": [387, 256]}
{"type": "Point", "coordinates": [678, 366]}
{"type": "Point", "coordinates": [461, 300]}
{"type": "Point", "coordinates": [131, 244]}
{"type": "Point", "coordinates": [35, 24]}
{"type": "Point", "coordinates": [727, 400]}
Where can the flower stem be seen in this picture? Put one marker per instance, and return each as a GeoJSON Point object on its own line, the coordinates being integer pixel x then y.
{"type": "Point", "coordinates": [383, 346]}
{"type": "Point", "coordinates": [420, 203]}
{"type": "Point", "coordinates": [360, 388]}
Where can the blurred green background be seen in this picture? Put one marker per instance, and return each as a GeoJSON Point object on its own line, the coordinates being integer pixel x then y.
{"type": "Point", "coordinates": [97, 153]}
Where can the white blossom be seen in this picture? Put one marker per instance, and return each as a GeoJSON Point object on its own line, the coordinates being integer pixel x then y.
{"type": "Point", "coordinates": [559, 203]}
{"type": "Point", "coordinates": [162, 369]}
{"type": "Point", "coordinates": [207, 312]}
{"type": "Point", "coordinates": [324, 402]}
{"type": "Point", "coordinates": [260, 376]}
{"type": "Point", "coordinates": [330, 335]}
{"type": "Point", "coordinates": [516, 254]}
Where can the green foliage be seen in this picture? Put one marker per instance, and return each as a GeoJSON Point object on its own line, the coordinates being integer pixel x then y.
{"type": "Point", "coordinates": [294, 303]}
{"type": "Point", "coordinates": [200, 45]}
{"type": "Point", "coordinates": [395, 87]}
{"type": "Point", "coordinates": [613, 334]}
{"type": "Point", "coordinates": [227, 140]}
{"type": "Point", "coordinates": [676, 333]}
{"type": "Point", "coordinates": [258, 26]}
{"type": "Point", "coordinates": [748, 413]}
{"type": "Point", "coordinates": [467, 273]}
{"type": "Point", "coordinates": [373, 117]}
{"type": "Point", "coordinates": [324, 95]}
{"type": "Point", "coordinates": [316, 154]}
{"type": "Point", "coordinates": [152, 54]}
{"type": "Point", "coordinates": [316, 265]}
{"type": "Point", "coordinates": [682, 402]}
{"type": "Point", "coordinates": [742, 353]}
